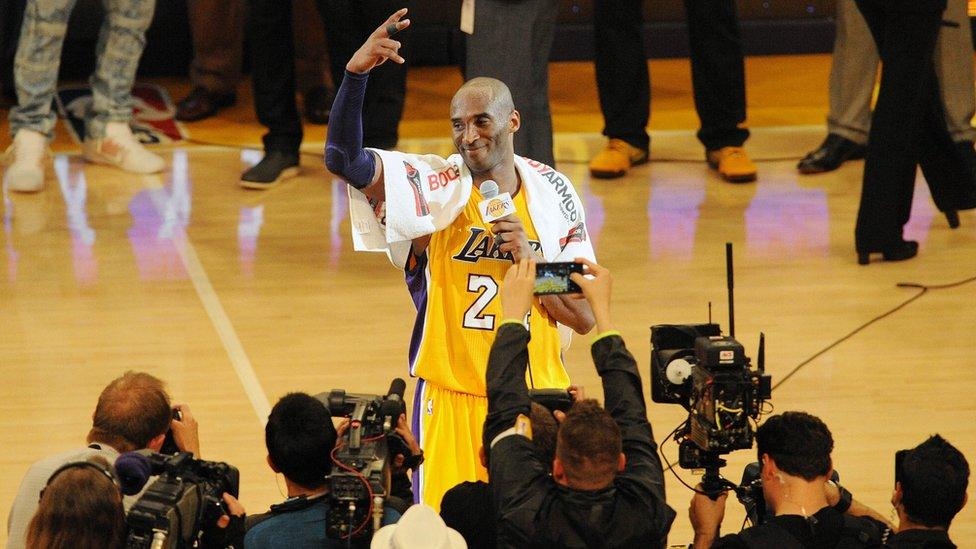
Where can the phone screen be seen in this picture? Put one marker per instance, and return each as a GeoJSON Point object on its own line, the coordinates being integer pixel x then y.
{"type": "Point", "coordinates": [553, 278]}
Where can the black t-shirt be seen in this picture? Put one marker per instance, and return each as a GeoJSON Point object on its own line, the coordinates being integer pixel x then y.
{"type": "Point", "coordinates": [825, 529]}
{"type": "Point", "coordinates": [468, 508]}
{"type": "Point", "coordinates": [921, 539]}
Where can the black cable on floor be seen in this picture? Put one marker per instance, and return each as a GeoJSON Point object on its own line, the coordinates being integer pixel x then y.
{"type": "Point", "coordinates": [923, 289]}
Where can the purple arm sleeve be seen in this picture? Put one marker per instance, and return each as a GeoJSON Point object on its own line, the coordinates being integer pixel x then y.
{"type": "Point", "coordinates": [344, 152]}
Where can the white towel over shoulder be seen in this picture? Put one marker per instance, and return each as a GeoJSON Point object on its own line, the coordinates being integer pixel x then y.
{"type": "Point", "coordinates": [425, 193]}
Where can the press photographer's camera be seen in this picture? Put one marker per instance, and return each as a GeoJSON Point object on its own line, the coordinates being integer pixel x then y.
{"type": "Point", "coordinates": [360, 479]}
{"type": "Point", "coordinates": [181, 508]}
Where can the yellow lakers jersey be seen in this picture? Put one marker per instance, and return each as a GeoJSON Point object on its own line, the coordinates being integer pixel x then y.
{"type": "Point", "coordinates": [456, 287]}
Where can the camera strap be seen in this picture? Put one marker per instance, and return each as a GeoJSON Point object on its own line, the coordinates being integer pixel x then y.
{"type": "Point", "coordinates": [296, 503]}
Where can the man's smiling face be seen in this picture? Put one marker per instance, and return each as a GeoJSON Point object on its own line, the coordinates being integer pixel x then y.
{"type": "Point", "coordinates": [482, 129]}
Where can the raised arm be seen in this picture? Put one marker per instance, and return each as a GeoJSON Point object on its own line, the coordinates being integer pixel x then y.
{"type": "Point", "coordinates": [518, 478]}
{"type": "Point", "coordinates": [344, 152]}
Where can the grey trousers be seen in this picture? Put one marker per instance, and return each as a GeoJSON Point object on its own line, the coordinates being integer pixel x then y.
{"type": "Point", "coordinates": [855, 67]}
{"type": "Point", "coordinates": [511, 42]}
{"type": "Point", "coordinates": [121, 40]}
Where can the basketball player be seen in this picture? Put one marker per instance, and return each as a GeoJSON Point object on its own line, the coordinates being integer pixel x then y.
{"type": "Point", "coordinates": [424, 211]}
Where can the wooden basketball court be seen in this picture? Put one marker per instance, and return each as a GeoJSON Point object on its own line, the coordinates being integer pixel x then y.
{"type": "Point", "coordinates": [237, 297]}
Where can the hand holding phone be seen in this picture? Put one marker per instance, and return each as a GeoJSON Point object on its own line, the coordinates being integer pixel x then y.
{"type": "Point", "coordinates": [554, 278]}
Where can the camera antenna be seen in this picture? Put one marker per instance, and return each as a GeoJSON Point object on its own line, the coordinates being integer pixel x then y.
{"type": "Point", "coordinates": [709, 312]}
{"type": "Point", "coordinates": [728, 278]}
{"type": "Point", "coordinates": [761, 359]}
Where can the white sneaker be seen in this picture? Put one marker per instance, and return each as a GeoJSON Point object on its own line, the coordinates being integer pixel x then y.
{"type": "Point", "coordinates": [120, 148]}
{"type": "Point", "coordinates": [25, 159]}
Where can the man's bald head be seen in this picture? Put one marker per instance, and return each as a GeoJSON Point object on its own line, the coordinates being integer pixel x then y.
{"type": "Point", "coordinates": [493, 91]}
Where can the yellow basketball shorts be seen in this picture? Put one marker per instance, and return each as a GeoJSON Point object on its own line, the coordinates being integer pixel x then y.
{"type": "Point", "coordinates": [448, 426]}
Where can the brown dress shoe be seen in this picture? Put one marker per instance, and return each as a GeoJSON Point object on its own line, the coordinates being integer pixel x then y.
{"type": "Point", "coordinates": [732, 163]}
{"type": "Point", "coordinates": [202, 103]}
{"type": "Point", "coordinates": [616, 159]}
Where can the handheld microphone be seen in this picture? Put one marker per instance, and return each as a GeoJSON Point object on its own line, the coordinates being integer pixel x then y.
{"type": "Point", "coordinates": [494, 206]}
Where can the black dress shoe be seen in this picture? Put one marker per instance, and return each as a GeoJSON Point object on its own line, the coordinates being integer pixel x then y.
{"type": "Point", "coordinates": [834, 151]}
{"type": "Point", "coordinates": [900, 251]}
{"type": "Point", "coordinates": [202, 103]}
{"type": "Point", "coordinates": [318, 104]}
{"type": "Point", "coordinates": [275, 167]}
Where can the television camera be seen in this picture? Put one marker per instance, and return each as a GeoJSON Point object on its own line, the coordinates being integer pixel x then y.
{"type": "Point", "coordinates": [360, 480]}
{"type": "Point", "coordinates": [708, 373]}
{"type": "Point", "coordinates": [181, 508]}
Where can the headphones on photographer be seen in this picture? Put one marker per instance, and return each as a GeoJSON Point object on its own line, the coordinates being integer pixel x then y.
{"type": "Point", "coordinates": [107, 471]}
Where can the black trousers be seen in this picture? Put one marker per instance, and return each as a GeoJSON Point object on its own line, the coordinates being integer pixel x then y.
{"type": "Point", "coordinates": [511, 42]}
{"type": "Point", "coordinates": [717, 71]}
{"type": "Point", "coordinates": [11, 17]}
{"type": "Point", "coordinates": [908, 126]}
{"type": "Point", "coordinates": [347, 24]}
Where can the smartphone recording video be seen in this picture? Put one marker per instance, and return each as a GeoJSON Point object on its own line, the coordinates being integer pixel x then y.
{"type": "Point", "coordinates": [553, 278]}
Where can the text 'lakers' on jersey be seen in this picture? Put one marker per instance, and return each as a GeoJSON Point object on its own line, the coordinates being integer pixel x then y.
{"type": "Point", "coordinates": [457, 285]}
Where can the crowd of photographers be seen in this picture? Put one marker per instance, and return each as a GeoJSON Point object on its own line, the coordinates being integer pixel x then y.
{"type": "Point", "coordinates": [586, 477]}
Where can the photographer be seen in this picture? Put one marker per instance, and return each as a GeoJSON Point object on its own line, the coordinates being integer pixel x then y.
{"type": "Point", "coordinates": [794, 454]}
{"type": "Point", "coordinates": [606, 488]}
{"type": "Point", "coordinates": [468, 507]}
{"type": "Point", "coordinates": [300, 438]}
{"type": "Point", "coordinates": [930, 489]}
{"type": "Point", "coordinates": [80, 508]}
{"type": "Point", "coordinates": [133, 413]}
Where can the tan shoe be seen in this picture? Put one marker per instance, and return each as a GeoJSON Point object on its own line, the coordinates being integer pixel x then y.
{"type": "Point", "coordinates": [26, 159]}
{"type": "Point", "coordinates": [733, 164]}
{"type": "Point", "coordinates": [614, 160]}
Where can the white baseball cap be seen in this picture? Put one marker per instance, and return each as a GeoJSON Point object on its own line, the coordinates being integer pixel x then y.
{"type": "Point", "coordinates": [420, 527]}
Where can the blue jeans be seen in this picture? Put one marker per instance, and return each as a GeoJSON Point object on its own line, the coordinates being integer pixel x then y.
{"type": "Point", "coordinates": [120, 44]}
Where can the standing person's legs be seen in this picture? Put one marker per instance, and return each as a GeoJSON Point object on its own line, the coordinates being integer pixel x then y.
{"type": "Point", "coordinates": [217, 28]}
{"type": "Point", "coordinates": [387, 87]}
{"type": "Point", "coordinates": [954, 66]}
{"type": "Point", "coordinates": [121, 40]}
{"type": "Point", "coordinates": [622, 78]}
{"type": "Point", "coordinates": [311, 62]}
{"type": "Point", "coordinates": [623, 83]}
{"type": "Point", "coordinates": [273, 75]}
{"type": "Point", "coordinates": [340, 20]}
{"type": "Point", "coordinates": [543, 33]}
{"type": "Point", "coordinates": [35, 76]}
{"type": "Point", "coordinates": [502, 47]}
{"type": "Point", "coordinates": [906, 41]}
{"type": "Point", "coordinates": [120, 44]}
{"type": "Point", "coordinates": [718, 79]}
{"type": "Point", "coordinates": [853, 72]}
{"type": "Point", "coordinates": [36, 64]}
{"type": "Point", "coordinates": [11, 19]}
{"type": "Point", "coordinates": [717, 72]}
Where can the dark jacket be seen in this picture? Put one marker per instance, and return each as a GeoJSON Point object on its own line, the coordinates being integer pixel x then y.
{"type": "Point", "coordinates": [825, 529]}
{"type": "Point", "coordinates": [921, 539]}
{"type": "Point", "coordinates": [535, 511]}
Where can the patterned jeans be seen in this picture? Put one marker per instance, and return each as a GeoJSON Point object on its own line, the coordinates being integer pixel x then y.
{"type": "Point", "coordinates": [120, 44]}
